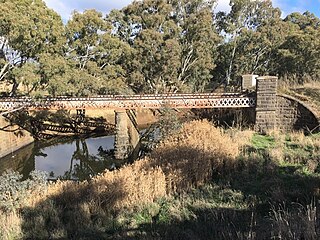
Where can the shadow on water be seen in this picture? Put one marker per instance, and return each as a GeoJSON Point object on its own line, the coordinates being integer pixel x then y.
{"type": "Point", "coordinates": [68, 158]}
{"type": "Point", "coordinates": [19, 161]}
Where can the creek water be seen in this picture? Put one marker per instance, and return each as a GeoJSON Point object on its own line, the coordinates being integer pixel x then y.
{"type": "Point", "coordinates": [71, 158]}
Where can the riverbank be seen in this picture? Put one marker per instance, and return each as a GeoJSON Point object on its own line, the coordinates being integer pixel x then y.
{"type": "Point", "coordinates": [50, 125]}
{"type": "Point", "coordinates": [201, 183]}
{"type": "Point", "coordinates": [12, 137]}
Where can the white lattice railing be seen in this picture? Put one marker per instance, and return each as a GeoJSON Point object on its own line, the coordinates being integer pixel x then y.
{"type": "Point", "coordinates": [204, 100]}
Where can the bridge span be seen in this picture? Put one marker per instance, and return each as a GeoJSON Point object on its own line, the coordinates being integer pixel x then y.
{"type": "Point", "coordinates": [125, 102]}
{"type": "Point", "coordinates": [270, 109]}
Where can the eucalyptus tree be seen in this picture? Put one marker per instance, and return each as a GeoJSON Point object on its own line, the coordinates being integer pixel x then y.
{"type": "Point", "coordinates": [27, 29]}
{"type": "Point", "coordinates": [199, 40]}
{"type": "Point", "coordinates": [248, 30]}
{"type": "Point", "coordinates": [173, 41]}
{"type": "Point", "coordinates": [257, 48]}
{"type": "Point", "coordinates": [94, 55]}
{"type": "Point", "coordinates": [299, 54]}
{"type": "Point", "coordinates": [304, 20]}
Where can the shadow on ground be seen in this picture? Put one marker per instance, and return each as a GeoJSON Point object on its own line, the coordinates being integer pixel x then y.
{"type": "Point", "coordinates": [256, 199]}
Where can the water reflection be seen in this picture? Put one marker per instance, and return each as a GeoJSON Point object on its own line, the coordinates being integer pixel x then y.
{"type": "Point", "coordinates": [76, 159]}
{"type": "Point", "coordinates": [18, 161]}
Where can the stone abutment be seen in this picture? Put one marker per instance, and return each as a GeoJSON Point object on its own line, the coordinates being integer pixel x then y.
{"type": "Point", "coordinates": [266, 107]}
{"type": "Point", "coordinates": [127, 135]}
{"type": "Point", "coordinates": [12, 137]}
{"type": "Point", "coordinates": [282, 112]}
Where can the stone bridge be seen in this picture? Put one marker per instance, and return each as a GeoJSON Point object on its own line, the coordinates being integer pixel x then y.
{"type": "Point", "coordinates": [271, 110]}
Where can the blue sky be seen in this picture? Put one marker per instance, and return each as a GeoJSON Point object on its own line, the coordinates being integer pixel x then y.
{"type": "Point", "coordinates": [65, 7]}
{"type": "Point", "coordinates": [288, 6]}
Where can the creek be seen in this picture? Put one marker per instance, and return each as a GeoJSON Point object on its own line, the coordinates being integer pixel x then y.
{"type": "Point", "coordinates": [70, 158]}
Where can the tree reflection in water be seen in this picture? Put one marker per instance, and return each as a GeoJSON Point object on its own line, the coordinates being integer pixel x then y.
{"type": "Point", "coordinates": [87, 158]}
{"type": "Point", "coordinates": [84, 165]}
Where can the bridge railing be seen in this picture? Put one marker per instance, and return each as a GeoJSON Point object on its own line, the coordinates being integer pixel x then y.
{"type": "Point", "coordinates": [201, 100]}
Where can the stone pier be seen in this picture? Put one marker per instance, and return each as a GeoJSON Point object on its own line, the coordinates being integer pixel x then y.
{"type": "Point", "coordinates": [127, 135]}
{"type": "Point", "coordinates": [266, 108]}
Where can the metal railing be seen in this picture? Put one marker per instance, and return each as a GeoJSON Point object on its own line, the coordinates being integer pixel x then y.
{"type": "Point", "coordinates": [201, 100]}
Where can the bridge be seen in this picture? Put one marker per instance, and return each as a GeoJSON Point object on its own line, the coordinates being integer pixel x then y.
{"type": "Point", "coordinates": [127, 134]}
{"type": "Point", "coordinates": [127, 102]}
{"type": "Point", "coordinates": [271, 110]}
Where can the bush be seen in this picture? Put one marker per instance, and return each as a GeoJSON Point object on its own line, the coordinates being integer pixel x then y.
{"type": "Point", "coordinates": [14, 193]}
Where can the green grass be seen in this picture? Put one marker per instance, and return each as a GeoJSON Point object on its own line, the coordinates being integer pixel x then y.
{"type": "Point", "coordinates": [259, 198]}
{"type": "Point", "coordinates": [262, 142]}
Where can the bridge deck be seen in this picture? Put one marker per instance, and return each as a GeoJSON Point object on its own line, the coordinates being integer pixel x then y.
{"type": "Point", "coordinates": [151, 101]}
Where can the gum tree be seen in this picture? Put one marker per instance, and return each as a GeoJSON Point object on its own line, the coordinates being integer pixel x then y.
{"type": "Point", "coordinates": [95, 55]}
{"type": "Point", "coordinates": [174, 44]}
{"type": "Point", "coordinates": [27, 29]}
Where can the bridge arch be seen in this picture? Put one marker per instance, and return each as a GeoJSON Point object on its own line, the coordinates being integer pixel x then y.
{"type": "Point", "coordinates": [293, 114]}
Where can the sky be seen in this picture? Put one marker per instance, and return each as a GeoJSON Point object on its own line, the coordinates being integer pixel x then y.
{"type": "Point", "coordinates": [66, 7]}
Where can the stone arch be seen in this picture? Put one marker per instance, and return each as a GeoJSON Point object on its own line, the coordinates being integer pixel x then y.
{"type": "Point", "coordinates": [293, 114]}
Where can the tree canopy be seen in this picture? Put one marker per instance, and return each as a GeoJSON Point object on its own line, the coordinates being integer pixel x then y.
{"type": "Point", "coordinates": [152, 46]}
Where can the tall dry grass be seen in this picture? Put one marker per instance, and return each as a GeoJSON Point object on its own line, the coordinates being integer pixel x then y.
{"type": "Point", "coordinates": [190, 157]}
{"type": "Point", "coordinates": [10, 226]}
{"type": "Point", "coordinates": [130, 186]}
{"type": "Point", "coordinates": [184, 160]}
{"type": "Point", "coordinates": [300, 224]}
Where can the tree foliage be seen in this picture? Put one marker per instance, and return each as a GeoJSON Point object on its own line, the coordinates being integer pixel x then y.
{"type": "Point", "coordinates": [27, 29]}
{"type": "Point", "coordinates": [152, 46]}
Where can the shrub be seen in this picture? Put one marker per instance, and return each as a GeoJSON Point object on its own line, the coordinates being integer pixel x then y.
{"type": "Point", "coordinates": [14, 193]}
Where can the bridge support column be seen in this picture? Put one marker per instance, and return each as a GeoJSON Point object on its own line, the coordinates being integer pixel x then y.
{"type": "Point", "coordinates": [127, 136]}
{"type": "Point", "coordinates": [266, 103]}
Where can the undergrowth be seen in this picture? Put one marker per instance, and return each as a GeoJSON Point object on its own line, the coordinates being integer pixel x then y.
{"type": "Point", "coordinates": [202, 182]}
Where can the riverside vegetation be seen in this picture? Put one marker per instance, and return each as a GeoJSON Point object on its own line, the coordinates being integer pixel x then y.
{"type": "Point", "coordinates": [152, 46]}
{"type": "Point", "coordinates": [201, 182]}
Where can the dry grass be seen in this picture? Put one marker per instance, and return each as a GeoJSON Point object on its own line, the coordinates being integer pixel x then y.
{"type": "Point", "coordinates": [124, 188]}
{"type": "Point", "coordinates": [308, 92]}
{"type": "Point", "coordinates": [129, 186]}
{"type": "Point", "coordinates": [189, 158]}
{"type": "Point", "coordinates": [301, 224]}
{"type": "Point", "coordinates": [185, 160]}
{"type": "Point", "coordinates": [10, 226]}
